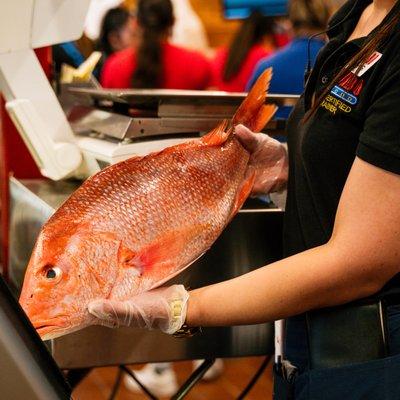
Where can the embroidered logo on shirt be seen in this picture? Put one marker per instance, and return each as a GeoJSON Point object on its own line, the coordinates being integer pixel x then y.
{"type": "Point", "coordinates": [332, 104]}
{"type": "Point", "coordinates": [346, 93]}
{"type": "Point", "coordinates": [349, 88]}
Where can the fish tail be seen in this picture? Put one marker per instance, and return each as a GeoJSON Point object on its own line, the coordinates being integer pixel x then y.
{"type": "Point", "coordinates": [253, 112]}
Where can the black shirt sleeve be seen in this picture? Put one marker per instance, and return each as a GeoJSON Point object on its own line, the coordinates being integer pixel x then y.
{"type": "Point", "coordinates": [380, 139]}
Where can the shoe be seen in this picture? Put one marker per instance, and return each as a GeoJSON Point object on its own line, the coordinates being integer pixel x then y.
{"type": "Point", "coordinates": [160, 379]}
{"type": "Point", "coordinates": [214, 372]}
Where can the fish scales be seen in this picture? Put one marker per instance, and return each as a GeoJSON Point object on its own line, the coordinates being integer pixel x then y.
{"type": "Point", "coordinates": [193, 194]}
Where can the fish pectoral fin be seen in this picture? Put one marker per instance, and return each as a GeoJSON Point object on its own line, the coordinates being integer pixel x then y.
{"type": "Point", "coordinates": [144, 260]}
{"type": "Point", "coordinates": [129, 259]}
{"type": "Point", "coordinates": [244, 191]}
{"type": "Point", "coordinates": [161, 252]}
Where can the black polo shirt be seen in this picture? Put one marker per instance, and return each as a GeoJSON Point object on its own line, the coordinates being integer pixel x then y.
{"type": "Point", "coordinates": [359, 117]}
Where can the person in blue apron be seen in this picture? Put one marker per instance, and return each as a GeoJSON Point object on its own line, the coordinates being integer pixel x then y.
{"type": "Point", "coordinates": [338, 286]}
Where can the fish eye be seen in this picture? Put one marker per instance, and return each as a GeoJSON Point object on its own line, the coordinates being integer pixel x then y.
{"type": "Point", "coordinates": [52, 273]}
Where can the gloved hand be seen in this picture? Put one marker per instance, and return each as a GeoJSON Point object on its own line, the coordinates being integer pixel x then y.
{"type": "Point", "coordinates": [269, 159]}
{"type": "Point", "coordinates": [163, 308]}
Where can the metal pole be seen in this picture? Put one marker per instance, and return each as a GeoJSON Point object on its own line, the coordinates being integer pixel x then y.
{"type": "Point", "coordinates": [117, 384]}
{"type": "Point", "coordinates": [144, 388]}
{"type": "Point", "coordinates": [193, 379]}
{"type": "Point", "coordinates": [255, 378]}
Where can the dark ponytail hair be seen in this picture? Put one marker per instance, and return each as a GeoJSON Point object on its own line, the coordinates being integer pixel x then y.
{"type": "Point", "coordinates": [252, 31]}
{"type": "Point", "coordinates": [113, 21]}
{"type": "Point", "coordinates": [156, 18]}
{"type": "Point", "coordinates": [378, 40]}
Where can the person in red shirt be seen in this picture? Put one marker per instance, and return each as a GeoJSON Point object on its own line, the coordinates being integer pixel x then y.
{"type": "Point", "coordinates": [116, 31]}
{"type": "Point", "coordinates": [232, 67]}
{"type": "Point", "coordinates": [154, 62]}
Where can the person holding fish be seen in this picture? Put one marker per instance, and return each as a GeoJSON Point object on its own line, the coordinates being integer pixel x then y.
{"type": "Point", "coordinates": [134, 225]}
{"type": "Point", "coordinates": [232, 66]}
{"type": "Point", "coordinates": [342, 236]}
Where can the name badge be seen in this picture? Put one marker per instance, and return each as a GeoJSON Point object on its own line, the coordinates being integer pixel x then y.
{"type": "Point", "coordinates": [372, 60]}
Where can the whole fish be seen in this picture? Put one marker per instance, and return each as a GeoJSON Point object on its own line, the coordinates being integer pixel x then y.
{"type": "Point", "coordinates": [138, 223]}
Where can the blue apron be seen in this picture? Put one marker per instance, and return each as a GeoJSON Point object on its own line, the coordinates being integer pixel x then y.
{"type": "Point", "coordinates": [373, 380]}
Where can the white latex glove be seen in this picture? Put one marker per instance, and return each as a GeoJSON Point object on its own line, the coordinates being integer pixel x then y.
{"type": "Point", "coordinates": [268, 157]}
{"type": "Point", "coordinates": [163, 308]}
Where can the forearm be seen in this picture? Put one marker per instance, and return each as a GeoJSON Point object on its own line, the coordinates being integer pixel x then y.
{"type": "Point", "coordinates": [312, 279]}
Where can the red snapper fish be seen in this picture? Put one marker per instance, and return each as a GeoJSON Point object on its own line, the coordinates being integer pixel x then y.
{"type": "Point", "coordinates": [136, 224]}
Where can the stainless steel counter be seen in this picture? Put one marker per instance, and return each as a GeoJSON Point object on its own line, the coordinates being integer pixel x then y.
{"type": "Point", "coordinates": [251, 240]}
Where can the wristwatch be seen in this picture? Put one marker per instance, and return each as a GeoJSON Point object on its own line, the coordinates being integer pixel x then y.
{"type": "Point", "coordinates": [186, 331]}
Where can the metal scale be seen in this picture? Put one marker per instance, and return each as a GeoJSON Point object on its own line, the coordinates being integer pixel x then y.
{"type": "Point", "coordinates": [114, 124]}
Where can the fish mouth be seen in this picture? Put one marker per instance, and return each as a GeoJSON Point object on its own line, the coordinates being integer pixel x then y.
{"type": "Point", "coordinates": [47, 329]}
{"type": "Point", "coordinates": [42, 330]}
{"type": "Point", "coordinates": [50, 330]}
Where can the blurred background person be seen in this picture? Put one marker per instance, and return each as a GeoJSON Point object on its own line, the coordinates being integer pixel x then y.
{"type": "Point", "coordinates": [116, 32]}
{"type": "Point", "coordinates": [188, 30]}
{"type": "Point", "coordinates": [95, 15]}
{"type": "Point", "coordinates": [308, 17]}
{"type": "Point", "coordinates": [233, 66]}
{"type": "Point", "coordinates": [154, 62]}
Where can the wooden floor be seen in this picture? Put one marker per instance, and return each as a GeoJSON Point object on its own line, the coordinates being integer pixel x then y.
{"type": "Point", "coordinates": [238, 372]}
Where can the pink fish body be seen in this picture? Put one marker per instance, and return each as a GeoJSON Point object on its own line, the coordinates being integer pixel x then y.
{"type": "Point", "coordinates": [136, 224]}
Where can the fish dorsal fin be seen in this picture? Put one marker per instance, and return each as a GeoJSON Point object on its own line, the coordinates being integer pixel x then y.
{"type": "Point", "coordinates": [253, 112]}
{"type": "Point", "coordinates": [218, 135]}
